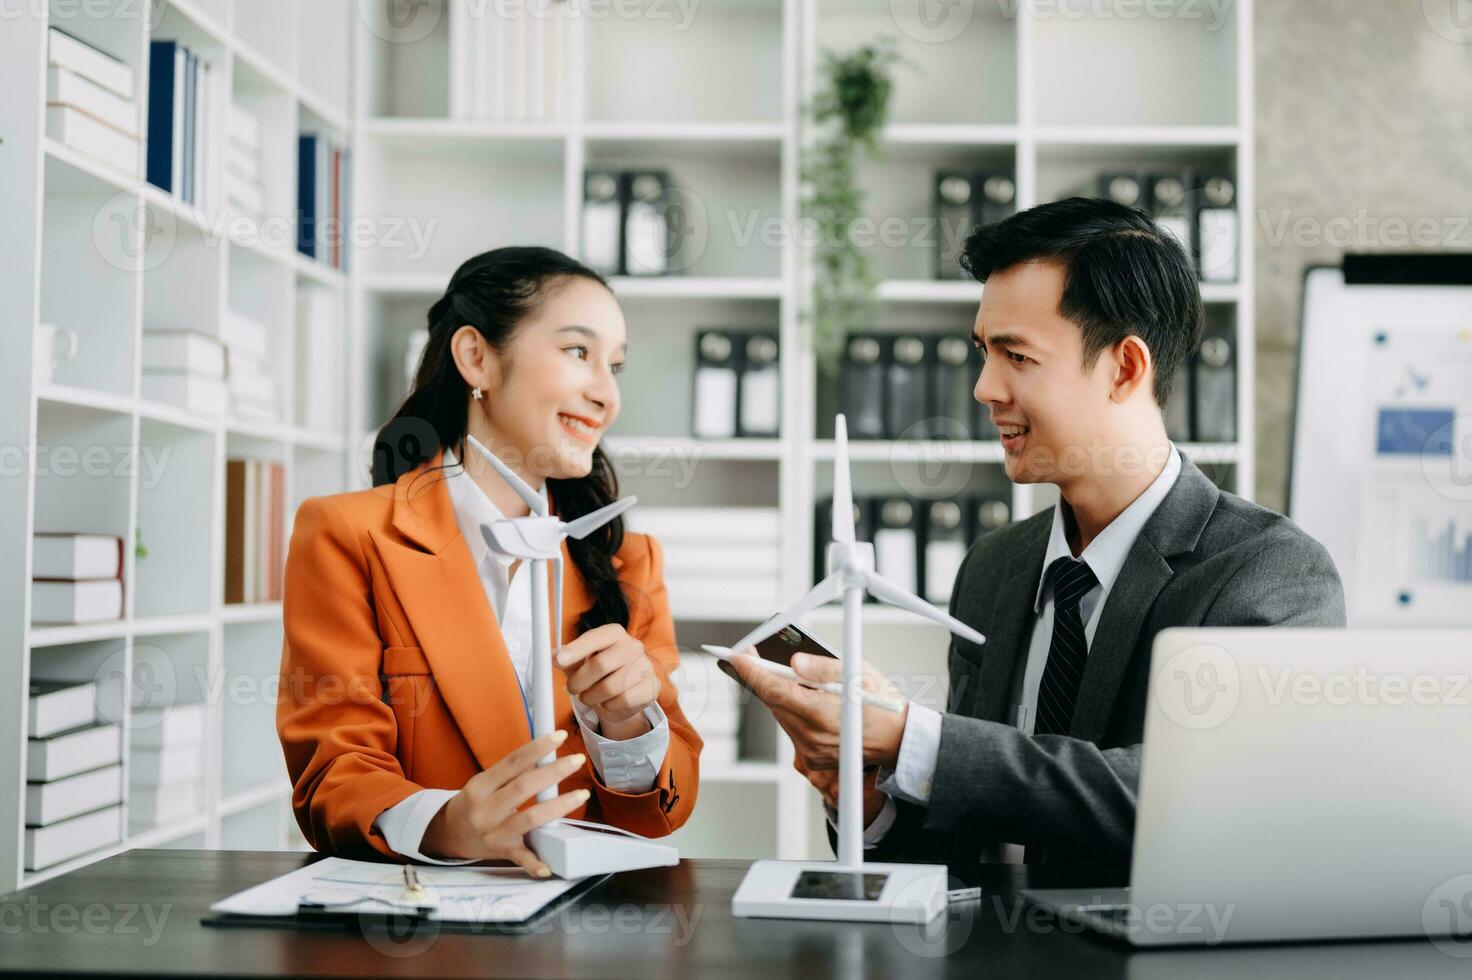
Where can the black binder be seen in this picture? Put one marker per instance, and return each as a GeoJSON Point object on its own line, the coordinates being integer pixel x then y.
{"type": "Point", "coordinates": [603, 222]}
{"type": "Point", "coordinates": [761, 387]}
{"type": "Point", "coordinates": [897, 541]}
{"type": "Point", "coordinates": [997, 200]}
{"type": "Point", "coordinates": [954, 363]}
{"type": "Point", "coordinates": [907, 403]}
{"type": "Point", "coordinates": [1218, 229]}
{"type": "Point", "coordinates": [1170, 201]}
{"type": "Point", "coordinates": [863, 387]}
{"type": "Point", "coordinates": [646, 223]}
{"type": "Point", "coordinates": [713, 408]}
{"type": "Point", "coordinates": [1214, 385]}
{"type": "Point", "coordinates": [988, 512]}
{"type": "Point", "coordinates": [1121, 187]}
{"type": "Point", "coordinates": [955, 219]}
{"type": "Point", "coordinates": [945, 546]}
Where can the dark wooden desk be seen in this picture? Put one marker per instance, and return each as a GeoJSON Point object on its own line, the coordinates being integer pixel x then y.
{"type": "Point", "coordinates": [138, 913]}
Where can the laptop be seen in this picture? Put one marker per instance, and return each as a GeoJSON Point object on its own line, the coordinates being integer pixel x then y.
{"type": "Point", "coordinates": [1297, 784]}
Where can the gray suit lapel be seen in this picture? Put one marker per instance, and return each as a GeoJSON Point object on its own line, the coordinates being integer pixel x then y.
{"type": "Point", "coordinates": [1173, 529]}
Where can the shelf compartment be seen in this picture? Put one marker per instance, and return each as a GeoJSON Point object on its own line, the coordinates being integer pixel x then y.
{"type": "Point", "coordinates": [252, 658]}
{"type": "Point", "coordinates": [175, 508]}
{"type": "Point", "coordinates": [725, 203]}
{"type": "Point", "coordinates": [960, 68]}
{"type": "Point", "coordinates": [435, 206]}
{"type": "Point", "coordinates": [403, 63]}
{"type": "Point", "coordinates": [735, 49]}
{"type": "Point", "coordinates": [1176, 64]}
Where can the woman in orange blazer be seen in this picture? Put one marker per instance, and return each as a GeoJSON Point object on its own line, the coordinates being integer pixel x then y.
{"type": "Point", "coordinates": [402, 713]}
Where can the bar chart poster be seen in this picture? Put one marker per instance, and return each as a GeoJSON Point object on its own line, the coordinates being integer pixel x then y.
{"type": "Point", "coordinates": [1415, 510]}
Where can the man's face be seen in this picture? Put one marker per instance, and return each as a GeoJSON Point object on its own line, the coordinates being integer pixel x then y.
{"type": "Point", "coordinates": [1050, 411]}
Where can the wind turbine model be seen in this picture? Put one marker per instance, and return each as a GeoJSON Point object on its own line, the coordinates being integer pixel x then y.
{"type": "Point", "coordinates": [571, 848]}
{"type": "Point", "coordinates": [849, 889]}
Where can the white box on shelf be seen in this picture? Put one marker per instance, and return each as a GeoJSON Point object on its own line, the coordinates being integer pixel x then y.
{"type": "Point", "coordinates": [157, 765]}
{"type": "Point", "coordinates": [72, 752]}
{"type": "Point", "coordinates": [244, 336]}
{"type": "Point", "coordinates": [94, 138]}
{"type": "Point", "coordinates": [61, 555]}
{"type": "Point", "coordinates": [60, 799]}
{"type": "Point", "coordinates": [66, 603]}
{"type": "Point", "coordinates": [66, 88]}
{"type": "Point", "coordinates": [58, 706]}
{"type": "Point", "coordinates": [153, 806]}
{"type": "Point", "coordinates": [190, 351]}
{"type": "Point", "coordinates": [62, 841]}
{"type": "Point", "coordinates": [191, 392]}
{"type": "Point", "coordinates": [74, 54]}
{"type": "Point", "coordinates": [175, 724]}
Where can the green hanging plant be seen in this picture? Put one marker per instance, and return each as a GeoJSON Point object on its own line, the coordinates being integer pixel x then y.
{"type": "Point", "coordinates": [847, 115]}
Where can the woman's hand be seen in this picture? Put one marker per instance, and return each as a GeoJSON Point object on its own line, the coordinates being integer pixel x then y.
{"type": "Point", "coordinates": [608, 671]}
{"type": "Point", "coordinates": [482, 820]}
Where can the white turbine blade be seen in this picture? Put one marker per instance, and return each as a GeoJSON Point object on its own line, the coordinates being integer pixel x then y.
{"type": "Point", "coordinates": [588, 523]}
{"type": "Point", "coordinates": [820, 595]}
{"type": "Point", "coordinates": [886, 591]}
{"type": "Point", "coordinates": [843, 495]}
{"type": "Point", "coordinates": [528, 496]}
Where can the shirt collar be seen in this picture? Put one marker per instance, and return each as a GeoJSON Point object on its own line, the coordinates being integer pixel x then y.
{"type": "Point", "coordinates": [473, 509]}
{"type": "Point", "coordinates": [1106, 554]}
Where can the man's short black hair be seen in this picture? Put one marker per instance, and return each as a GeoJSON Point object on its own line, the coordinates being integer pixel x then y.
{"type": "Point", "coordinates": [1124, 276]}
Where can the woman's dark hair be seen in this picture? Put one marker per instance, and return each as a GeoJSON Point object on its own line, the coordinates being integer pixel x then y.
{"type": "Point", "coordinates": [494, 292]}
{"type": "Point", "coordinates": [1125, 276]}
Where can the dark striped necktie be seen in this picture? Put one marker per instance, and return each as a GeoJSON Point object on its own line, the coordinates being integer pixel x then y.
{"type": "Point", "coordinates": [1058, 693]}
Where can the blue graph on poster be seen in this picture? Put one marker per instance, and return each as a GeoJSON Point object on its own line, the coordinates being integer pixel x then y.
{"type": "Point", "coordinates": [1414, 431]}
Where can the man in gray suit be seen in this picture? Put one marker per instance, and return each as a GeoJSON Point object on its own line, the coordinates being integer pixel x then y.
{"type": "Point", "coordinates": [1089, 311]}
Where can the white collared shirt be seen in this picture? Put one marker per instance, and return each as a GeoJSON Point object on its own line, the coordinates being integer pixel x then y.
{"type": "Point", "coordinates": [627, 766]}
{"type": "Point", "coordinates": [1105, 556]}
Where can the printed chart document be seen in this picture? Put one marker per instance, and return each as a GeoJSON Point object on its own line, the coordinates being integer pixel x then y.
{"type": "Point", "coordinates": [472, 895]}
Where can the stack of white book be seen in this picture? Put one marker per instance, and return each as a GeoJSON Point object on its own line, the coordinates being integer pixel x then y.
{"type": "Point", "coordinates": [184, 368]}
{"type": "Point", "coordinates": [91, 105]}
{"type": "Point", "coordinates": [319, 359]}
{"type": "Point", "coordinates": [729, 556]}
{"type": "Point", "coordinates": [712, 703]}
{"type": "Point", "coordinates": [252, 389]}
{"type": "Point", "coordinates": [243, 162]}
{"type": "Point", "coordinates": [74, 779]}
{"type": "Point", "coordinates": [509, 62]}
{"type": "Point", "coordinates": [167, 754]}
{"type": "Point", "coordinates": [76, 578]}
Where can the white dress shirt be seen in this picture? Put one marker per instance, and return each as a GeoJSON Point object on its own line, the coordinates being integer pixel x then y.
{"type": "Point", "coordinates": [627, 766]}
{"type": "Point", "coordinates": [1105, 556]}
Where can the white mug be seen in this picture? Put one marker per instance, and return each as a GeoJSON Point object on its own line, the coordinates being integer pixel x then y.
{"type": "Point", "coordinates": [49, 353]}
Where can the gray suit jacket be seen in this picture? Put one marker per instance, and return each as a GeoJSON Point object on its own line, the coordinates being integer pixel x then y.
{"type": "Point", "coordinates": [1205, 558]}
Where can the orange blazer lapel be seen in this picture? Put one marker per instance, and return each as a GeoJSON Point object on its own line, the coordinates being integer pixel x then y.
{"type": "Point", "coordinates": [436, 582]}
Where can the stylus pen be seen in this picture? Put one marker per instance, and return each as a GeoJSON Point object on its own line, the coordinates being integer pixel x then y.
{"type": "Point", "coordinates": [830, 687]}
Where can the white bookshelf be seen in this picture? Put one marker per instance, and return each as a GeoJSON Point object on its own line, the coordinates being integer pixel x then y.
{"type": "Point", "coordinates": [717, 105]}
{"type": "Point", "coordinates": [175, 266]}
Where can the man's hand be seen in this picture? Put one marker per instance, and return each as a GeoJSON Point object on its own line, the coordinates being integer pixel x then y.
{"type": "Point", "coordinates": [825, 781]}
{"type": "Point", "coordinates": [810, 718]}
{"type": "Point", "coordinates": [608, 671]}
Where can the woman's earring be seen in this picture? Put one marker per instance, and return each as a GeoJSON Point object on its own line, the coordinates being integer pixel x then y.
{"type": "Point", "coordinates": [475, 393]}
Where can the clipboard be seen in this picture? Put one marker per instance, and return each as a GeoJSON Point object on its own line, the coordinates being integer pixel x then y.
{"type": "Point", "coordinates": [398, 920]}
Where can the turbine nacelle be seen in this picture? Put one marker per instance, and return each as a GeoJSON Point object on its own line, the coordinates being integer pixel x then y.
{"type": "Point", "coordinates": [853, 557]}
